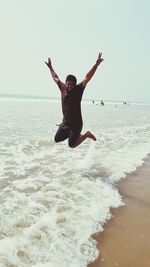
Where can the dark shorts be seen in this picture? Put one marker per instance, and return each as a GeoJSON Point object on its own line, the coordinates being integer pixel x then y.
{"type": "Point", "coordinates": [68, 132]}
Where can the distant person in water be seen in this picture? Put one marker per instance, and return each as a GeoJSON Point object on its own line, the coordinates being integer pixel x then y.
{"type": "Point", "coordinates": [71, 95]}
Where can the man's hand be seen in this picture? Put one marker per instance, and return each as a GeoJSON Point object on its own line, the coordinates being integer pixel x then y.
{"type": "Point", "coordinates": [90, 74]}
{"type": "Point", "coordinates": [49, 64]}
{"type": "Point", "coordinates": [100, 59]}
{"type": "Point", "coordinates": [53, 73]}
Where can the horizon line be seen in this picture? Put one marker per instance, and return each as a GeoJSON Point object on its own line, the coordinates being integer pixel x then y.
{"type": "Point", "coordinates": [57, 98]}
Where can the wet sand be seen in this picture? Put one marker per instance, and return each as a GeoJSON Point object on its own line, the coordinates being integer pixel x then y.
{"type": "Point", "coordinates": [125, 241]}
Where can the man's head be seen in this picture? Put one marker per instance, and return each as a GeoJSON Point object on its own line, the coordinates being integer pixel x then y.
{"type": "Point", "coordinates": [71, 81]}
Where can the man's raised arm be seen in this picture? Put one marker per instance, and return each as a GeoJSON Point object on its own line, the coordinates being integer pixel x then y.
{"type": "Point", "coordinates": [53, 73]}
{"type": "Point", "coordinates": [90, 74]}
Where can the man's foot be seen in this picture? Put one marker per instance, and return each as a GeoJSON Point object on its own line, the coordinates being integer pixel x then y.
{"type": "Point", "coordinates": [90, 135]}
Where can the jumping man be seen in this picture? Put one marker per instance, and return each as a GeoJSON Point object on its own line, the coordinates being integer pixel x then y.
{"type": "Point", "coordinates": [71, 95]}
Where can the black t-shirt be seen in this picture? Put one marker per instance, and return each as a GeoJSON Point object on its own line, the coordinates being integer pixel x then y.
{"type": "Point", "coordinates": [71, 104]}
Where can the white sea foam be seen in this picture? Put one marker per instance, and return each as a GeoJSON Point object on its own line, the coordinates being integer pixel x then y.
{"type": "Point", "coordinates": [53, 198]}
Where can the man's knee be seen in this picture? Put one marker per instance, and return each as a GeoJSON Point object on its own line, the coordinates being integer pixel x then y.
{"type": "Point", "coordinates": [71, 143]}
{"type": "Point", "coordinates": [73, 138]}
{"type": "Point", "coordinates": [60, 137]}
{"type": "Point", "coordinates": [56, 139]}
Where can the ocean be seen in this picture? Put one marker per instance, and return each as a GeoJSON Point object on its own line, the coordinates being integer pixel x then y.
{"type": "Point", "coordinates": [55, 198]}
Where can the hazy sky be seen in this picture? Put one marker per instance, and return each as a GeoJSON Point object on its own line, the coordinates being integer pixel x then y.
{"type": "Point", "coordinates": [72, 32]}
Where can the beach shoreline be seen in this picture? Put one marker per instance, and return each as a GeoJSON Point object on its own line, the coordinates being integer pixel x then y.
{"type": "Point", "coordinates": [125, 240]}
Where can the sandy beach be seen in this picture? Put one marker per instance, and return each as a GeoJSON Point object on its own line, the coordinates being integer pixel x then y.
{"type": "Point", "coordinates": [126, 237]}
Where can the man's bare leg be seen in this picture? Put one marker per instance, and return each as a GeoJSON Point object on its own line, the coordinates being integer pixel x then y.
{"type": "Point", "coordinates": [82, 137]}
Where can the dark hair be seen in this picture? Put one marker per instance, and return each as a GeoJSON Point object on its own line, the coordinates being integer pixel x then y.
{"type": "Point", "coordinates": [71, 77]}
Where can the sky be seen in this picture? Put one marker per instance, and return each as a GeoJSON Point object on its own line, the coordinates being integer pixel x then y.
{"type": "Point", "coordinates": [72, 33]}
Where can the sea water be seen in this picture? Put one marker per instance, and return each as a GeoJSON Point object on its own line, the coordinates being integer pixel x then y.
{"type": "Point", "coordinates": [54, 198]}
